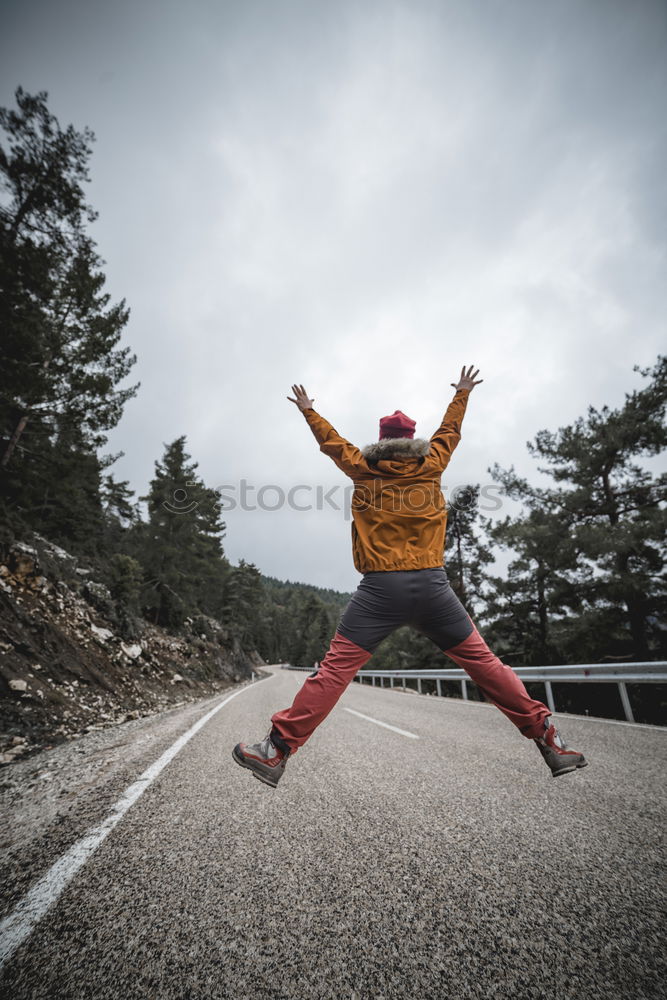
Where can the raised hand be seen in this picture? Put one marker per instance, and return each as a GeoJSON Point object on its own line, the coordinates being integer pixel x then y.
{"type": "Point", "coordinates": [467, 380]}
{"type": "Point", "coordinates": [301, 400]}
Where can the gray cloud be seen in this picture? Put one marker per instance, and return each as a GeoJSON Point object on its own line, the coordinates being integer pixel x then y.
{"type": "Point", "coordinates": [362, 197]}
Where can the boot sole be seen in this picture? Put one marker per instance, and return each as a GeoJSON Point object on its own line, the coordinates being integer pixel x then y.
{"type": "Point", "coordinates": [256, 774]}
{"type": "Point", "coordinates": [568, 770]}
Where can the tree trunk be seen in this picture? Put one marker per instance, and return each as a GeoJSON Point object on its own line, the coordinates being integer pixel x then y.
{"type": "Point", "coordinates": [637, 620]}
{"type": "Point", "coordinates": [633, 600]}
{"type": "Point", "coordinates": [20, 427]}
{"type": "Point", "coordinates": [635, 605]}
{"type": "Point", "coordinates": [13, 441]}
{"type": "Point", "coordinates": [542, 611]}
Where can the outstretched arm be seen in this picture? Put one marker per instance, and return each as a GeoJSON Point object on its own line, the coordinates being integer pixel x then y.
{"type": "Point", "coordinates": [448, 434]}
{"type": "Point", "coordinates": [345, 455]}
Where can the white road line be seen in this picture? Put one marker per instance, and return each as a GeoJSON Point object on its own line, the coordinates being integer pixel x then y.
{"type": "Point", "coordinates": [386, 725]}
{"type": "Point", "coordinates": [19, 924]}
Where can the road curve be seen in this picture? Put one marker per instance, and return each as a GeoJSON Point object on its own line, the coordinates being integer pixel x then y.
{"type": "Point", "coordinates": [433, 859]}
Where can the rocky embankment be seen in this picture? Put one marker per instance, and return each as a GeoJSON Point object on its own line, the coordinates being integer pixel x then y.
{"type": "Point", "coordinates": [65, 669]}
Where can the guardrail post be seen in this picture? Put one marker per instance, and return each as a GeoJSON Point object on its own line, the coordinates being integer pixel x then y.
{"type": "Point", "coordinates": [373, 680]}
{"type": "Point", "coordinates": [438, 687]}
{"type": "Point", "coordinates": [550, 696]}
{"type": "Point", "coordinates": [419, 685]}
{"type": "Point", "coordinates": [391, 682]}
{"type": "Point", "coordinates": [464, 688]}
{"type": "Point", "coordinates": [627, 708]}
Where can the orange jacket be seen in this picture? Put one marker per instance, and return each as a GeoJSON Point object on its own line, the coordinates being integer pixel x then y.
{"type": "Point", "coordinates": [399, 514]}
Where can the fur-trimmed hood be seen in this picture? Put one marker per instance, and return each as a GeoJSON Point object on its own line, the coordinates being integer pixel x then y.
{"type": "Point", "coordinates": [392, 448]}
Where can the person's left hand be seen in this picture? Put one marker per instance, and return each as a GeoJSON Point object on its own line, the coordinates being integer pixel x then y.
{"type": "Point", "coordinates": [467, 380]}
{"type": "Point", "coordinates": [302, 400]}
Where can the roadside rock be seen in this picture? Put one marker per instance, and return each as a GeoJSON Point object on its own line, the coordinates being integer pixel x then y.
{"type": "Point", "coordinates": [64, 668]}
{"type": "Point", "coordinates": [103, 634]}
{"type": "Point", "coordinates": [132, 652]}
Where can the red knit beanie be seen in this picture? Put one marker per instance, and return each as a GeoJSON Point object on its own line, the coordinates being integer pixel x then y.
{"type": "Point", "coordinates": [397, 426]}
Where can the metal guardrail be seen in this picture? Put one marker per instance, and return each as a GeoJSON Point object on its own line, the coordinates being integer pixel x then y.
{"type": "Point", "coordinates": [645, 672]}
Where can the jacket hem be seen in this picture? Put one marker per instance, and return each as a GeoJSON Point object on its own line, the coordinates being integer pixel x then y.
{"type": "Point", "coordinates": [400, 566]}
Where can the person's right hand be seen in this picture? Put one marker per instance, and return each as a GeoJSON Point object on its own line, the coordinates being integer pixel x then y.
{"type": "Point", "coordinates": [302, 400]}
{"type": "Point", "coordinates": [467, 380]}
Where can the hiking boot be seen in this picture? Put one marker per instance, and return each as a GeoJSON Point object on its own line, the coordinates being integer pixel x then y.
{"type": "Point", "coordinates": [558, 756]}
{"type": "Point", "coordinates": [265, 760]}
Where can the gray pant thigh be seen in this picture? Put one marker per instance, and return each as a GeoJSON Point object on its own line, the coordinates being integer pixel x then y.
{"type": "Point", "coordinates": [372, 613]}
{"type": "Point", "coordinates": [440, 616]}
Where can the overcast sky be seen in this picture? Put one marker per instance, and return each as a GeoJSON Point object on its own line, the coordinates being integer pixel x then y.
{"type": "Point", "coordinates": [362, 196]}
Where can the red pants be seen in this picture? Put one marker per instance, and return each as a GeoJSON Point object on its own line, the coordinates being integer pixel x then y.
{"type": "Point", "coordinates": [319, 694]}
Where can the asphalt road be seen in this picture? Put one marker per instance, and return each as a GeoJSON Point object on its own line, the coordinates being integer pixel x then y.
{"type": "Point", "coordinates": [383, 866]}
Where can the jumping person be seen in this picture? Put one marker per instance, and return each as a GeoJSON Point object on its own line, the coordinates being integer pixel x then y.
{"type": "Point", "coordinates": [398, 541]}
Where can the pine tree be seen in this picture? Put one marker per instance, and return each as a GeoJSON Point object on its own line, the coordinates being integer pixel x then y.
{"type": "Point", "coordinates": [607, 524]}
{"type": "Point", "coordinates": [180, 547]}
{"type": "Point", "coordinates": [467, 554]}
{"type": "Point", "coordinates": [243, 604]}
{"type": "Point", "coordinates": [543, 584]}
{"type": "Point", "coordinates": [60, 364]}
